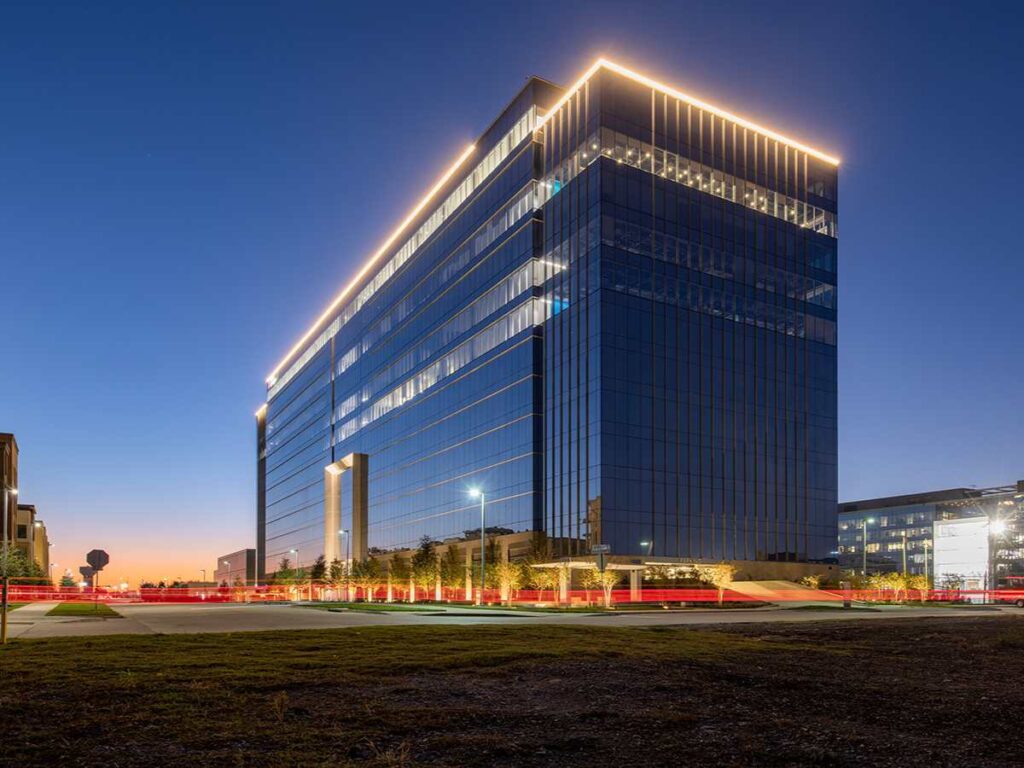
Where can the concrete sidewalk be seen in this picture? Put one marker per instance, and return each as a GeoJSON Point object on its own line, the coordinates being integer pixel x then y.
{"type": "Point", "coordinates": [31, 621]}
{"type": "Point", "coordinates": [228, 618]}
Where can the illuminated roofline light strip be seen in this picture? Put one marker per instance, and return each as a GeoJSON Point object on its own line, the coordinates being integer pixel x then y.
{"type": "Point", "coordinates": [326, 315]}
{"type": "Point", "coordinates": [644, 80]}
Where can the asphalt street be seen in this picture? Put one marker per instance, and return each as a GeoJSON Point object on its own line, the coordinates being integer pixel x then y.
{"type": "Point", "coordinates": [31, 621]}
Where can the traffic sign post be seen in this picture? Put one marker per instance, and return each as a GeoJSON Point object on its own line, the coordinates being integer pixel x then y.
{"type": "Point", "coordinates": [98, 560]}
{"type": "Point", "coordinates": [600, 551]}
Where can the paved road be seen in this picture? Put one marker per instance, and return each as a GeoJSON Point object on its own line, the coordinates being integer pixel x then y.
{"type": "Point", "coordinates": [31, 622]}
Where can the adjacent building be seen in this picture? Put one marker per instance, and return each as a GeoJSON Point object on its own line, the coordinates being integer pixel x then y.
{"type": "Point", "coordinates": [236, 568]}
{"type": "Point", "coordinates": [30, 536]}
{"type": "Point", "coordinates": [971, 536]}
{"type": "Point", "coordinates": [20, 528]}
{"type": "Point", "coordinates": [614, 315]}
{"type": "Point", "coordinates": [8, 486]}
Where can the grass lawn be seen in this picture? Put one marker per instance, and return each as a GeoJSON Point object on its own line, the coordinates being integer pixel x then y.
{"type": "Point", "coordinates": [764, 694]}
{"type": "Point", "coordinates": [12, 606]}
{"type": "Point", "coordinates": [83, 609]}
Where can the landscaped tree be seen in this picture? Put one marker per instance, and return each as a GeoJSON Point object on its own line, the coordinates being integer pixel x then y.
{"type": "Point", "coordinates": [17, 565]}
{"type": "Point", "coordinates": [543, 579]}
{"type": "Point", "coordinates": [893, 582]}
{"type": "Point", "coordinates": [608, 579]}
{"type": "Point", "coordinates": [318, 571]}
{"type": "Point", "coordinates": [540, 548]}
{"type": "Point", "coordinates": [284, 572]}
{"type": "Point", "coordinates": [425, 565]}
{"type": "Point", "coordinates": [336, 573]}
{"type": "Point", "coordinates": [367, 576]}
{"type": "Point", "coordinates": [812, 581]}
{"type": "Point", "coordinates": [952, 581]}
{"type": "Point", "coordinates": [453, 569]}
{"type": "Point", "coordinates": [719, 575]}
{"type": "Point", "coordinates": [919, 583]}
{"type": "Point", "coordinates": [590, 579]}
{"type": "Point", "coordinates": [400, 571]}
{"type": "Point", "coordinates": [67, 581]}
{"type": "Point", "coordinates": [509, 578]}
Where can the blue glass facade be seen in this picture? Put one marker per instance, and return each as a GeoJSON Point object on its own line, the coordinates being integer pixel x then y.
{"type": "Point", "coordinates": [617, 318]}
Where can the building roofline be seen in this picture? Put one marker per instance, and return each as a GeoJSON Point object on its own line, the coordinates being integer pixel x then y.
{"type": "Point", "coordinates": [924, 497]}
{"type": "Point", "coordinates": [413, 215]}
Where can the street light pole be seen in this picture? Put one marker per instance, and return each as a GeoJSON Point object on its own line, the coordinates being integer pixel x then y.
{"type": "Point", "coordinates": [864, 548]}
{"type": "Point", "coordinates": [4, 588]}
{"type": "Point", "coordinates": [483, 544]}
{"type": "Point", "coordinates": [927, 546]}
{"type": "Point", "coordinates": [348, 565]}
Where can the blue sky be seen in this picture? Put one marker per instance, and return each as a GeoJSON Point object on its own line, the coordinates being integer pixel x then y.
{"type": "Point", "coordinates": [186, 186]}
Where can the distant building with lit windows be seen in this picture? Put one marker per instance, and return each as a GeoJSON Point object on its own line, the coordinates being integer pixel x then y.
{"type": "Point", "coordinates": [971, 533]}
{"type": "Point", "coordinates": [615, 314]}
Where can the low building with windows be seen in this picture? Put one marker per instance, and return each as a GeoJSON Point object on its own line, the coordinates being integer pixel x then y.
{"type": "Point", "coordinates": [236, 568]}
{"type": "Point", "coordinates": [611, 321]}
{"type": "Point", "coordinates": [972, 535]}
{"type": "Point", "coordinates": [30, 536]}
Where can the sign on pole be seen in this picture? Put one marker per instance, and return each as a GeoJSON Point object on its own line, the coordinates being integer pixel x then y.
{"type": "Point", "coordinates": [601, 551]}
{"type": "Point", "coordinates": [98, 559]}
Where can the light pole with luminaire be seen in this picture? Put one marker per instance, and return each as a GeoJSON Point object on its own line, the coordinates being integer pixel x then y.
{"type": "Point", "coordinates": [864, 548]}
{"type": "Point", "coordinates": [6, 579]}
{"type": "Point", "coordinates": [649, 545]}
{"type": "Point", "coordinates": [348, 563]}
{"type": "Point", "coordinates": [996, 528]}
{"type": "Point", "coordinates": [295, 570]}
{"type": "Point", "coordinates": [474, 493]}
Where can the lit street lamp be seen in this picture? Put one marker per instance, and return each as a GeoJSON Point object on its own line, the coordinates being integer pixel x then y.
{"type": "Point", "coordinates": [864, 549]}
{"type": "Point", "coordinates": [996, 528]}
{"type": "Point", "coordinates": [649, 545]}
{"type": "Point", "coordinates": [348, 562]}
{"type": "Point", "coordinates": [295, 571]}
{"type": "Point", "coordinates": [6, 577]}
{"type": "Point", "coordinates": [474, 493]}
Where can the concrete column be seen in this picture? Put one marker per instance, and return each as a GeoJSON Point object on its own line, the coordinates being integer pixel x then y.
{"type": "Point", "coordinates": [391, 596]}
{"type": "Point", "coordinates": [634, 586]}
{"type": "Point", "coordinates": [437, 589]}
{"type": "Point", "coordinates": [563, 585]}
{"type": "Point", "coordinates": [359, 465]}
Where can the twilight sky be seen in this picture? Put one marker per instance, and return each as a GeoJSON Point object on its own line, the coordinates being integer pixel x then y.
{"type": "Point", "coordinates": [185, 187]}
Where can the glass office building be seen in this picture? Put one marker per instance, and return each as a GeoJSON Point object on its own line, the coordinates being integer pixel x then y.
{"type": "Point", "coordinates": [615, 315]}
{"type": "Point", "coordinates": [890, 534]}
